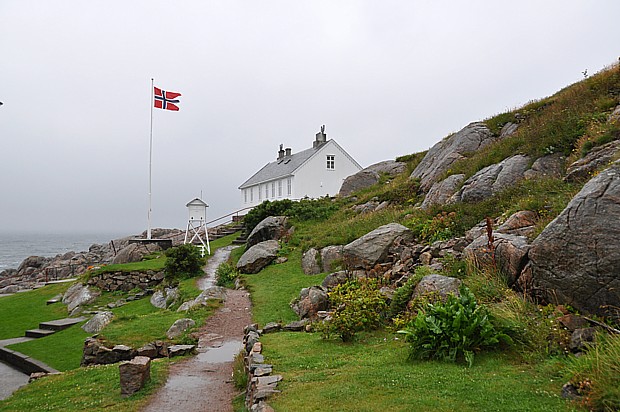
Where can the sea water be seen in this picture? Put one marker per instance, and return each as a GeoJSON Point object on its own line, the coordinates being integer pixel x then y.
{"type": "Point", "coordinates": [15, 247]}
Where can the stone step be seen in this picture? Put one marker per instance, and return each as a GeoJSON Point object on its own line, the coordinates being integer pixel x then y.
{"type": "Point", "coordinates": [39, 333]}
{"type": "Point", "coordinates": [60, 324]}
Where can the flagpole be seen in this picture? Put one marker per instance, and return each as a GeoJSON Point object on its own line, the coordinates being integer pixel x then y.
{"type": "Point", "coordinates": [148, 231]}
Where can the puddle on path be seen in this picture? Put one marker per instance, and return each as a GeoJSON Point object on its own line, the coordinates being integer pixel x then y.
{"type": "Point", "coordinates": [185, 382]}
{"type": "Point", "coordinates": [221, 354]}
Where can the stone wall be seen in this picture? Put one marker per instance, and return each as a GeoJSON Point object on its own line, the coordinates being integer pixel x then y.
{"type": "Point", "coordinates": [126, 281]}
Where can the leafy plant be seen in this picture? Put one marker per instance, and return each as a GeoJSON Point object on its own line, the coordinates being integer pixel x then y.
{"type": "Point", "coordinates": [225, 275]}
{"type": "Point", "coordinates": [452, 329]}
{"type": "Point", "coordinates": [359, 305]}
{"type": "Point", "coordinates": [182, 262]}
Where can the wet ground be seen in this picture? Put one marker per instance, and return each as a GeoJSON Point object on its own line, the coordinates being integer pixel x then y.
{"type": "Point", "coordinates": [204, 382]}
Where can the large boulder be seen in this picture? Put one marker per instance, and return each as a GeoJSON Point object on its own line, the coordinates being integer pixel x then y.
{"type": "Point", "coordinates": [576, 259]}
{"type": "Point", "coordinates": [509, 253]}
{"type": "Point", "coordinates": [331, 257]}
{"type": "Point", "coordinates": [134, 374]}
{"type": "Point", "coordinates": [492, 179]}
{"type": "Point", "coordinates": [310, 262]}
{"type": "Point", "coordinates": [522, 223]}
{"type": "Point", "coordinates": [270, 228]}
{"type": "Point", "coordinates": [163, 299]}
{"type": "Point", "coordinates": [78, 295]}
{"type": "Point", "coordinates": [370, 175]}
{"type": "Point", "coordinates": [441, 192]}
{"type": "Point", "coordinates": [179, 327]}
{"type": "Point", "coordinates": [452, 148]}
{"type": "Point", "coordinates": [258, 256]}
{"type": "Point", "coordinates": [373, 247]}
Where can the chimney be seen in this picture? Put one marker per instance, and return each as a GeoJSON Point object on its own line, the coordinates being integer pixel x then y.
{"type": "Point", "coordinates": [281, 152]}
{"type": "Point", "coordinates": [321, 137]}
{"type": "Point", "coordinates": [288, 152]}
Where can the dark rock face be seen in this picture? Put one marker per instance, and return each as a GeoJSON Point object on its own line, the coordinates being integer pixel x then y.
{"type": "Point", "coordinates": [370, 175]}
{"type": "Point", "coordinates": [455, 147]}
{"type": "Point", "coordinates": [270, 228]}
{"type": "Point", "coordinates": [258, 256]}
{"type": "Point", "coordinates": [493, 179]}
{"type": "Point", "coordinates": [373, 247]}
{"type": "Point", "coordinates": [576, 259]}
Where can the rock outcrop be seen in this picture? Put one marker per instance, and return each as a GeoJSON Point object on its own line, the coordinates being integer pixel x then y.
{"type": "Point", "coordinates": [598, 157]}
{"type": "Point", "coordinates": [492, 179]}
{"type": "Point", "coordinates": [98, 322]}
{"type": "Point", "coordinates": [455, 147]}
{"type": "Point", "coordinates": [575, 259]}
{"type": "Point", "coordinates": [78, 295]}
{"type": "Point", "coordinates": [258, 256]}
{"type": "Point", "coordinates": [441, 192]}
{"type": "Point", "coordinates": [370, 176]}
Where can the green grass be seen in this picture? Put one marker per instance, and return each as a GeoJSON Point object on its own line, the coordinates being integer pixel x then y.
{"type": "Point", "coordinates": [25, 310]}
{"type": "Point", "coordinates": [275, 287]}
{"type": "Point", "coordinates": [373, 374]}
{"type": "Point", "coordinates": [92, 388]}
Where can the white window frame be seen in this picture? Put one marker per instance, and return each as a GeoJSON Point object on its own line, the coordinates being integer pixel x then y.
{"type": "Point", "coordinates": [331, 162]}
{"type": "Point", "coordinates": [266, 190]}
{"type": "Point", "coordinates": [289, 186]}
{"type": "Point", "coordinates": [273, 190]}
{"type": "Point", "coordinates": [245, 195]}
{"type": "Point", "coordinates": [279, 188]}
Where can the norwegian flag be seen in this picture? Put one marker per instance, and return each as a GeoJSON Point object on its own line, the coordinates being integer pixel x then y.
{"type": "Point", "coordinates": [166, 100]}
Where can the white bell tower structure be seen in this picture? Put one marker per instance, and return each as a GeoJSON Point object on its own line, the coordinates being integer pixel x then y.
{"type": "Point", "coordinates": [197, 225]}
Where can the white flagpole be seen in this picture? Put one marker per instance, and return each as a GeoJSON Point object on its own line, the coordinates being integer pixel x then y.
{"type": "Point", "coordinates": [148, 231]}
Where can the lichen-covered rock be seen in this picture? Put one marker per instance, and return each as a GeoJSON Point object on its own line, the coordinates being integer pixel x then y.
{"type": "Point", "coordinates": [179, 327]}
{"type": "Point", "coordinates": [309, 262]}
{"type": "Point", "coordinates": [455, 147]}
{"type": "Point", "coordinates": [576, 259]}
{"type": "Point", "coordinates": [547, 166]}
{"type": "Point", "coordinates": [598, 157]}
{"type": "Point", "coordinates": [163, 299]}
{"type": "Point", "coordinates": [331, 257]}
{"type": "Point", "coordinates": [311, 300]}
{"type": "Point", "coordinates": [370, 176]}
{"type": "Point", "coordinates": [438, 285]}
{"type": "Point", "coordinates": [78, 295]}
{"type": "Point", "coordinates": [258, 256]}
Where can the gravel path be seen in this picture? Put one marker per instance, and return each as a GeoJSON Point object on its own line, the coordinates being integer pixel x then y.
{"type": "Point", "coordinates": [203, 382]}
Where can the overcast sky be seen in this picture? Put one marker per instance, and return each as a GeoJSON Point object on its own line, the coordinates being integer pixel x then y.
{"type": "Point", "coordinates": [387, 78]}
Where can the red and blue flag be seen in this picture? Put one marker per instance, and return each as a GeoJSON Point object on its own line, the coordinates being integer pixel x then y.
{"type": "Point", "coordinates": [166, 100]}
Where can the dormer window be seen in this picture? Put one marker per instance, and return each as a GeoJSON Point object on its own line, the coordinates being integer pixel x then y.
{"type": "Point", "coordinates": [330, 162]}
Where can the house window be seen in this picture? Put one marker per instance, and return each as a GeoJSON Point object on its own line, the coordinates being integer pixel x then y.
{"type": "Point", "coordinates": [279, 188]}
{"type": "Point", "coordinates": [289, 186]}
{"type": "Point", "coordinates": [267, 191]}
{"type": "Point", "coordinates": [245, 195]}
{"type": "Point", "coordinates": [273, 189]}
{"type": "Point", "coordinates": [260, 193]}
{"type": "Point", "coordinates": [251, 194]}
{"type": "Point", "coordinates": [330, 162]}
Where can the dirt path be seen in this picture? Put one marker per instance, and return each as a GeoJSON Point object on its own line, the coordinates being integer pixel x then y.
{"type": "Point", "coordinates": [203, 382]}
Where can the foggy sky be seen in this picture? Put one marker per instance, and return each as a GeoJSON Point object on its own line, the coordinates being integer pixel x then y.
{"type": "Point", "coordinates": [387, 78]}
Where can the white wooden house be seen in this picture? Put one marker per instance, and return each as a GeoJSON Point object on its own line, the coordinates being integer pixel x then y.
{"type": "Point", "coordinates": [313, 173]}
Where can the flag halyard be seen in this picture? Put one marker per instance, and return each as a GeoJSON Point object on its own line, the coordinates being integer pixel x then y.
{"type": "Point", "coordinates": [165, 100]}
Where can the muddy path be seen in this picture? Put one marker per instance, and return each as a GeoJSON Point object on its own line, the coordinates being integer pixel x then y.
{"type": "Point", "coordinates": [203, 382]}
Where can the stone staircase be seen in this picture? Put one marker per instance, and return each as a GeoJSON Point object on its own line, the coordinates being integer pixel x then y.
{"type": "Point", "coordinates": [53, 326]}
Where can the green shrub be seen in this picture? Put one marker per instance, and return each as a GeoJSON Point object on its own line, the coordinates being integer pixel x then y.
{"type": "Point", "coordinates": [305, 209]}
{"type": "Point", "coordinates": [239, 374]}
{"type": "Point", "coordinates": [358, 305]}
{"type": "Point", "coordinates": [452, 329]}
{"type": "Point", "coordinates": [182, 262]}
{"type": "Point", "coordinates": [225, 275]}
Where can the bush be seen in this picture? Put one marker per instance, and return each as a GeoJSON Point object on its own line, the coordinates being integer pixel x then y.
{"type": "Point", "coordinates": [305, 209]}
{"type": "Point", "coordinates": [182, 262]}
{"type": "Point", "coordinates": [452, 329]}
{"type": "Point", "coordinates": [358, 305]}
{"type": "Point", "coordinates": [225, 275]}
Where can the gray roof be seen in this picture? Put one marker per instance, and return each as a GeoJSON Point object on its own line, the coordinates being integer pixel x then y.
{"type": "Point", "coordinates": [280, 168]}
